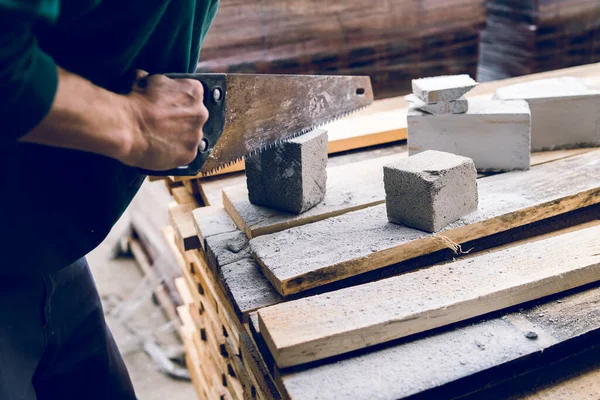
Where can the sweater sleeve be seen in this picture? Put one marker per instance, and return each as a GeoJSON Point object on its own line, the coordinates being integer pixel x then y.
{"type": "Point", "coordinates": [28, 76]}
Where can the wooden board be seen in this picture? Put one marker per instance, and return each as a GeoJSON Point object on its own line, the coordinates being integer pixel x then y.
{"type": "Point", "coordinates": [256, 367]}
{"type": "Point", "coordinates": [180, 217]}
{"type": "Point", "coordinates": [366, 315]}
{"type": "Point", "coordinates": [456, 361]}
{"type": "Point", "coordinates": [183, 197]}
{"type": "Point", "coordinates": [350, 187]}
{"type": "Point", "coordinates": [340, 247]}
{"type": "Point", "coordinates": [584, 385]}
{"type": "Point", "coordinates": [248, 290]}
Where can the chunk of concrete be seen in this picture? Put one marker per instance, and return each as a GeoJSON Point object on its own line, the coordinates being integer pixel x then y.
{"type": "Point", "coordinates": [496, 135]}
{"type": "Point", "coordinates": [430, 190]}
{"type": "Point", "coordinates": [442, 88]}
{"type": "Point", "coordinates": [564, 112]}
{"type": "Point", "coordinates": [291, 176]}
{"type": "Point", "coordinates": [459, 106]}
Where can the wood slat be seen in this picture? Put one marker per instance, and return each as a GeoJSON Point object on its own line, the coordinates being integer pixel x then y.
{"type": "Point", "coordinates": [180, 217]}
{"type": "Point", "coordinates": [457, 361]}
{"type": "Point", "coordinates": [334, 323]}
{"type": "Point", "coordinates": [350, 187]}
{"type": "Point", "coordinates": [340, 247]}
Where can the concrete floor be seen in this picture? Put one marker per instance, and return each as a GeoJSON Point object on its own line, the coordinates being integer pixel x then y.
{"type": "Point", "coordinates": [118, 280]}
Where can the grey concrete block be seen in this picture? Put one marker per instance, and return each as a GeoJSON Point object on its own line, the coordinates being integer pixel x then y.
{"type": "Point", "coordinates": [430, 190]}
{"type": "Point", "coordinates": [459, 106]}
{"type": "Point", "coordinates": [496, 135]}
{"type": "Point", "coordinates": [564, 112]}
{"type": "Point", "coordinates": [290, 177]}
{"type": "Point", "coordinates": [442, 88]}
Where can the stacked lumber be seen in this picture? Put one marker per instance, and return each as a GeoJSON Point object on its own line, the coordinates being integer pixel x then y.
{"type": "Point", "coordinates": [337, 303]}
{"type": "Point", "coordinates": [370, 335]}
{"type": "Point", "coordinates": [391, 41]}
{"type": "Point", "coordinates": [524, 37]}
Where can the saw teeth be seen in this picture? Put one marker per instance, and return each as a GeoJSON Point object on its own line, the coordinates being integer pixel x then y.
{"type": "Point", "coordinates": [277, 143]}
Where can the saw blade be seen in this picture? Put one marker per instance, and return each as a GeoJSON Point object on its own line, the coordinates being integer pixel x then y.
{"type": "Point", "coordinates": [263, 110]}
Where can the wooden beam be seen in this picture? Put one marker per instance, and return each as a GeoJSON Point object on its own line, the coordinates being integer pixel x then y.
{"type": "Point", "coordinates": [350, 187]}
{"type": "Point", "coordinates": [366, 315]}
{"type": "Point", "coordinates": [457, 361]}
{"type": "Point", "coordinates": [180, 217]}
{"type": "Point", "coordinates": [340, 247]}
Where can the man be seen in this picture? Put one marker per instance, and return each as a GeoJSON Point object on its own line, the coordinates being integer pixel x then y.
{"type": "Point", "coordinates": [78, 118]}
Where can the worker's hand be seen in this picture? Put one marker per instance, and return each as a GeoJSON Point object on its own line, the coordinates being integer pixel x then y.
{"type": "Point", "coordinates": [167, 120]}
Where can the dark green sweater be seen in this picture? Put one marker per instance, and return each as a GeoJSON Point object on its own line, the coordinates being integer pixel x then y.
{"type": "Point", "coordinates": [56, 205]}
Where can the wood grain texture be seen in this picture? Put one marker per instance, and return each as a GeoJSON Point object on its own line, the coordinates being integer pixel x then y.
{"type": "Point", "coordinates": [340, 247]}
{"type": "Point", "coordinates": [335, 323]}
{"type": "Point", "coordinates": [456, 361]}
{"type": "Point", "coordinates": [256, 366]}
{"type": "Point", "coordinates": [180, 217]}
{"type": "Point", "coordinates": [350, 187]}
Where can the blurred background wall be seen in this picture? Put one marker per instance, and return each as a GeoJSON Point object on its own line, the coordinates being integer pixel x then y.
{"type": "Point", "coordinates": [395, 41]}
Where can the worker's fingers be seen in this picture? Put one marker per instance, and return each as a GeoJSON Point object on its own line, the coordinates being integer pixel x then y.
{"type": "Point", "coordinates": [140, 78]}
{"type": "Point", "coordinates": [140, 73]}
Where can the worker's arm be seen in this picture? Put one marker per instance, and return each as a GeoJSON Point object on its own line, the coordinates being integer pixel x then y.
{"type": "Point", "coordinates": [157, 126]}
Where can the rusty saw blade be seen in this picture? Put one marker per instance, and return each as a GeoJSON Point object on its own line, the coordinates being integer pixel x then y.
{"type": "Point", "coordinates": [250, 113]}
{"type": "Point", "coordinates": [262, 110]}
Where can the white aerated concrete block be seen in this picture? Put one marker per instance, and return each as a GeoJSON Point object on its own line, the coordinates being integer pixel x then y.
{"type": "Point", "coordinates": [564, 112]}
{"type": "Point", "coordinates": [442, 88]}
{"type": "Point", "coordinates": [430, 190]}
{"type": "Point", "coordinates": [291, 176]}
{"type": "Point", "coordinates": [494, 134]}
{"type": "Point", "coordinates": [459, 106]}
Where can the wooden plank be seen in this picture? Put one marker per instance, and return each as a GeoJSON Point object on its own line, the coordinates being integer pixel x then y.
{"type": "Point", "coordinates": [366, 315]}
{"type": "Point", "coordinates": [195, 363]}
{"type": "Point", "coordinates": [583, 385]}
{"type": "Point", "coordinates": [221, 314]}
{"type": "Point", "coordinates": [248, 290]}
{"type": "Point", "coordinates": [183, 197]}
{"type": "Point", "coordinates": [180, 217]}
{"type": "Point", "coordinates": [340, 247]}
{"type": "Point", "coordinates": [456, 361]}
{"type": "Point", "coordinates": [257, 367]}
{"type": "Point", "coordinates": [350, 187]}
{"type": "Point", "coordinates": [224, 307]}
{"type": "Point", "coordinates": [244, 285]}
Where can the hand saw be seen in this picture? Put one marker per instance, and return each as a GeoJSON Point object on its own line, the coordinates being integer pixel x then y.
{"type": "Point", "coordinates": [250, 113]}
